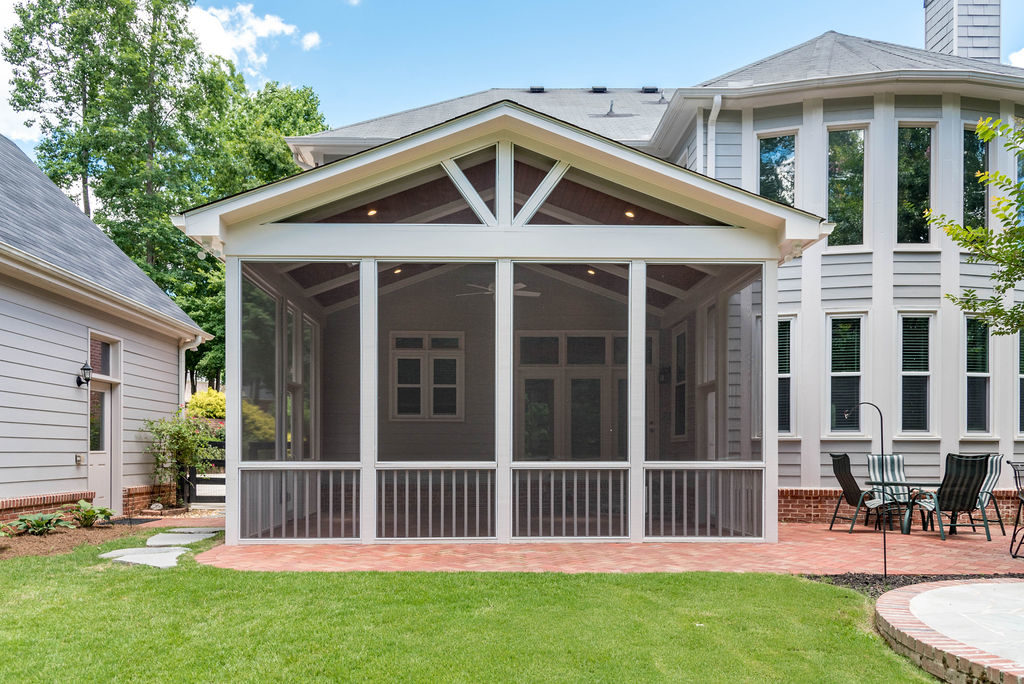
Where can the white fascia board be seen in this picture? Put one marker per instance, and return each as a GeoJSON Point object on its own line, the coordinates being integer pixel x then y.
{"type": "Point", "coordinates": [615, 161]}
{"type": "Point", "coordinates": [42, 274]}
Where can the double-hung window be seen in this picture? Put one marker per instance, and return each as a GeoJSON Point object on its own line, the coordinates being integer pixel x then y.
{"type": "Point", "coordinates": [1020, 382]}
{"type": "Point", "coordinates": [978, 375]}
{"type": "Point", "coordinates": [427, 375]}
{"type": "Point", "coordinates": [679, 385]}
{"type": "Point", "coordinates": [844, 373]}
{"type": "Point", "coordinates": [785, 377]}
{"type": "Point", "coordinates": [915, 373]}
{"type": "Point", "coordinates": [846, 186]}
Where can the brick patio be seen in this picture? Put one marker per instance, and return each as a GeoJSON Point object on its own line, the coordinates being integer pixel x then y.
{"type": "Point", "coordinates": [803, 548]}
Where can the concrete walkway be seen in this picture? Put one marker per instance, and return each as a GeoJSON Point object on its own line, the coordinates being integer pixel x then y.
{"type": "Point", "coordinates": [966, 630]}
{"type": "Point", "coordinates": [803, 548]}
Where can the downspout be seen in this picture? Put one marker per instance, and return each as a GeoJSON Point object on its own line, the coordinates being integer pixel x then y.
{"type": "Point", "coordinates": [716, 107]}
{"type": "Point", "coordinates": [184, 346]}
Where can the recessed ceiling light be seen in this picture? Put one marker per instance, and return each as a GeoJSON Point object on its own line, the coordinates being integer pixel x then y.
{"type": "Point", "coordinates": [630, 214]}
{"type": "Point", "coordinates": [397, 271]}
{"type": "Point", "coordinates": [372, 212]}
{"type": "Point", "coordinates": [591, 271]}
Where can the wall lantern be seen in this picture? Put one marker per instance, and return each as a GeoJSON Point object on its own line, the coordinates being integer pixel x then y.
{"type": "Point", "coordinates": [86, 375]}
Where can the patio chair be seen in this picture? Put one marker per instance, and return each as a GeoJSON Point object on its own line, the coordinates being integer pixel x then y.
{"type": "Point", "coordinates": [1017, 540]}
{"type": "Point", "coordinates": [852, 493]}
{"type": "Point", "coordinates": [995, 466]}
{"type": "Point", "coordinates": [889, 468]}
{"type": "Point", "coordinates": [959, 492]}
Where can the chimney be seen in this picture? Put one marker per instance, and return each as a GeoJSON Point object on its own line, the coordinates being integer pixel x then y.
{"type": "Point", "coordinates": [966, 28]}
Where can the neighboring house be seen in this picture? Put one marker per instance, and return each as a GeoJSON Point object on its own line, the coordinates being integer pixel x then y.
{"type": "Point", "coordinates": [542, 313]}
{"type": "Point", "coordinates": [68, 297]}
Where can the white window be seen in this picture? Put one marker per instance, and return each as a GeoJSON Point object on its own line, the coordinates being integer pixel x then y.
{"type": "Point", "coordinates": [679, 384]}
{"type": "Point", "coordinates": [844, 372]}
{"type": "Point", "coordinates": [427, 375]}
{"type": "Point", "coordinates": [785, 376]}
{"type": "Point", "coordinates": [976, 365]}
{"type": "Point", "coordinates": [915, 373]}
{"type": "Point", "coordinates": [1020, 382]}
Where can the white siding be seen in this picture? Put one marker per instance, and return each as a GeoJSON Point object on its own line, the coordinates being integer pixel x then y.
{"type": "Point", "coordinates": [915, 279]}
{"type": "Point", "coordinates": [44, 414]}
{"type": "Point", "coordinates": [846, 279]}
{"type": "Point", "coordinates": [976, 276]}
{"type": "Point", "coordinates": [789, 285]}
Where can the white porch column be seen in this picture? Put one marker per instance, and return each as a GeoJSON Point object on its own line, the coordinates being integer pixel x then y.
{"type": "Point", "coordinates": [367, 400]}
{"type": "Point", "coordinates": [503, 379]}
{"type": "Point", "coordinates": [770, 400]}
{"type": "Point", "coordinates": [637, 433]}
{"type": "Point", "coordinates": [1004, 347]}
{"type": "Point", "coordinates": [232, 379]}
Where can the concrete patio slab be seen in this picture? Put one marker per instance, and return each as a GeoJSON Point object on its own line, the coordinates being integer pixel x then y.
{"type": "Point", "coordinates": [195, 530]}
{"type": "Point", "coordinates": [986, 616]}
{"type": "Point", "coordinates": [177, 538]}
{"type": "Point", "coordinates": [162, 557]}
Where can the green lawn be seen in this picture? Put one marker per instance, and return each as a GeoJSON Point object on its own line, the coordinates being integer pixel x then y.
{"type": "Point", "coordinates": [78, 617]}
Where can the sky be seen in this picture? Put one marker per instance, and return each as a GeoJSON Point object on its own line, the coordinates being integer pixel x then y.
{"type": "Point", "coordinates": [368, 58]}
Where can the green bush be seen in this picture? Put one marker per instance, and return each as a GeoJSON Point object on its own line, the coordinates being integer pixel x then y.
{"type": "Point", "coordinates": [87, 515]}
{"type": "Point", "coordinates": [39, 523]}
{"type": "Point", "coordinates": [208, 404]}
{"type": "Point", "coordinates": [181, 442]}
{"type": "Point", "coordinates": [257, 424]}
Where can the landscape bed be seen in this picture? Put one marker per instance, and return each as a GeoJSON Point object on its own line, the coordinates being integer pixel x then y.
{"type": "Point", "coordinates": [196, 622]}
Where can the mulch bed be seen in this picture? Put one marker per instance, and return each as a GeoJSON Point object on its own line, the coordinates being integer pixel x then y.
{"type": "Point", "coordinates": [874, 586]}
{"type": "Point", "coordinates": [64, 541]}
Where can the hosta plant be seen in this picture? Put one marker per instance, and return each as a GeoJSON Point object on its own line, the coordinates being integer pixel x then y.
{"type": "Point", "coordinates": [39, 523]}
{"type": "Point", "coordinates": [87, 515]}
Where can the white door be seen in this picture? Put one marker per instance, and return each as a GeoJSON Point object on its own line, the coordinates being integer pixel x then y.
{"type": "Point", "coordinates": [99, 442]}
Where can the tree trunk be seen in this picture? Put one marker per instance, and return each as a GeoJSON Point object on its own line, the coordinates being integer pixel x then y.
{"type": "Point", "coordinates": [192, 379]}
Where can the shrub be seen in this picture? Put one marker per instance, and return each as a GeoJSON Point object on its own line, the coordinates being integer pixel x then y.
{"type": "Point", "coordinates": [39, 523]}
{"type": "Point", "coordinates": [179, 443]}
{"type": "Point", "coordinates": [257, 424]}
{"type": "Point", "coordinates": [208, 404]}
{"type": "Point", "coordinates": [87, 515]}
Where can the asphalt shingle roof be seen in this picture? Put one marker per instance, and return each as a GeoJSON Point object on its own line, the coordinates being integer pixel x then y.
{"type": "Point", "coordinates": [836, 54]}
{"type": "Point", "coordinates": [37, 218]}
{"type": "Point", "coordinates": [634, 117]}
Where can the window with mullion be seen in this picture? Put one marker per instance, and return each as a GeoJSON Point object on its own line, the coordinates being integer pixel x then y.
{"type": "Point", "coordinates": [844, 373]}
{"type": "Point", "coordinates": [777, 168]}
{"type": "Point", "coordinates": [785, 377]}
{"type": "Point", "coordinates": [976, 354]}
{"type": "Point", "coordinates": [915, 373]}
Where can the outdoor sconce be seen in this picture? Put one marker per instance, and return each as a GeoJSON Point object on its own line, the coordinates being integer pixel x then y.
{"type": "Point", "coordinates": [86, 375]}
{"type": "Point", "coordinates": [664, 375]}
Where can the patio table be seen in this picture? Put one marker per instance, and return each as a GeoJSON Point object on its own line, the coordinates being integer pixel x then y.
{"type": "Point", "coordinates": [907, 522]}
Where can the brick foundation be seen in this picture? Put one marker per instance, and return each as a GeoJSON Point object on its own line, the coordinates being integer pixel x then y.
{"type": "Point", "coordinates": [10, 509]}
{"type": "Point", "coordinates": [134, 499]}
{"type": "Point", "coordinates": [817, 505]}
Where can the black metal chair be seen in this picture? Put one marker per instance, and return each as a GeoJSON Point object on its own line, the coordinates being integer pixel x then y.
{"type": "Point", "coordinates": [1017, 540]}
{"type": "Point", "coordinates": [852, 494]}
{"type": "Point", "coordinates": [958, 493]}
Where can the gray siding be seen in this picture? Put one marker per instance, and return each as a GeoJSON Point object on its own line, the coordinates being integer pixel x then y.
{"type": "Point", "coordinates": [789, 284]}
{"type": "Point", "coordinates": [846, 279]}
{"type": "Point", "coordinates": [938, 26]}
{"type": "Point", "coordinates": [917, 107]}
{"type": "Point", "coordinates": [689, 157]}
{"type": "Point", "coordinates": [976, 277]}
{"type": "Point", "coordinates": [972, 109]}
{"type": "Point", "coordinates": [728, 147]}
{"type": "Point", "coordinates": [915, 279]}
{"type": "Point", "coordinates": [921, 458]}
{"type": "Point", "coordinates": [789, 463]}
{"type": "Point", "coordinates": [44, 414]}
{"type": "Point", "coordinates": [849, 109]}
{"type": "Point", "coordinates": [779, 117]}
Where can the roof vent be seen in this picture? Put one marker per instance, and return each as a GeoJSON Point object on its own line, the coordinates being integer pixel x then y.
{"type": "Point", "coordinates": [536, 89]}
{"type": "Point", "coordinates": [649, 90]}
{"type": "Point", "coordinates": [611, 109]}
{"type": "Point", "coordinates": [662, 100]}
{"type": "Point", "coordinates": [598, 89]}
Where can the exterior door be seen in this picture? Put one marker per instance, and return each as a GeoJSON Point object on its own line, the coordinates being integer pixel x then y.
{"type": "Point", "coordinates": [99, 443]}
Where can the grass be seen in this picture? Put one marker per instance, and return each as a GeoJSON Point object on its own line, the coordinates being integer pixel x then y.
{"type": "Point", "coordinates": [78, 616]}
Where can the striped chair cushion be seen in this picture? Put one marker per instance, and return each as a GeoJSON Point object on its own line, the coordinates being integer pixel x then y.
{"type": "Point", "coordinates": [889, 467]}
{"type": "Point", "coordinates": [995, 466]}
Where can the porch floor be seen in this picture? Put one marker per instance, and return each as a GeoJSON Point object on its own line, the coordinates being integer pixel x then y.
{"type": "Point", "coordinates": [802, 549]}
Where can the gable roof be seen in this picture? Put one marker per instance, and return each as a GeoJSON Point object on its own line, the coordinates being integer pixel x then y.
{"type": "Point", "coordinates": [634, 117]}
{"type": "Point", "coordinates": [37, 219]}
{"type": "Point", "coordinates": [836, 54]}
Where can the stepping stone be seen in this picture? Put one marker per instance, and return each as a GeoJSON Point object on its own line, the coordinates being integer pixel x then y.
{"type": "Point", "coordinates": [164, 557]}
{"type": "Point", "coordinates": [177, 538]}
{"type": "Point", "coordinates": [196, 530]}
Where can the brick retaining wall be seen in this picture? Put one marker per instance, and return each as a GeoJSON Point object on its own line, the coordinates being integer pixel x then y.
{"type": "Point", "coordinates": [134, 499]}
{"type": "Point", "coordinates": [10, 509]}
{"type": "Point", "coordinates": [816, 505]}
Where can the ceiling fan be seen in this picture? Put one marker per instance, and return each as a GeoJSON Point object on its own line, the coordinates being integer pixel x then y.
{"type": "Point", "coordinates": [519, 290]}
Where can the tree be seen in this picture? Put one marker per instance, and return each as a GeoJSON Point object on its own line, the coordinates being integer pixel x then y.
{"type": "Point", "coordinates": [1003, 247]}
{"type": "Point", "coordinates": [62, 54]}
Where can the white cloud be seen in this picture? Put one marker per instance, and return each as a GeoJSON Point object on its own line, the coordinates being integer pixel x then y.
{"type": "Point", "coordinates": [310, 40]}
{"type": "Point", "coordinates": [1017, 58]}
{"type": "Point", "coordinates": [12, 123]}
{"type": "Point", "coordinates": [238, 34]}
{"type": "Point", "coordinates": [353, 2]}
